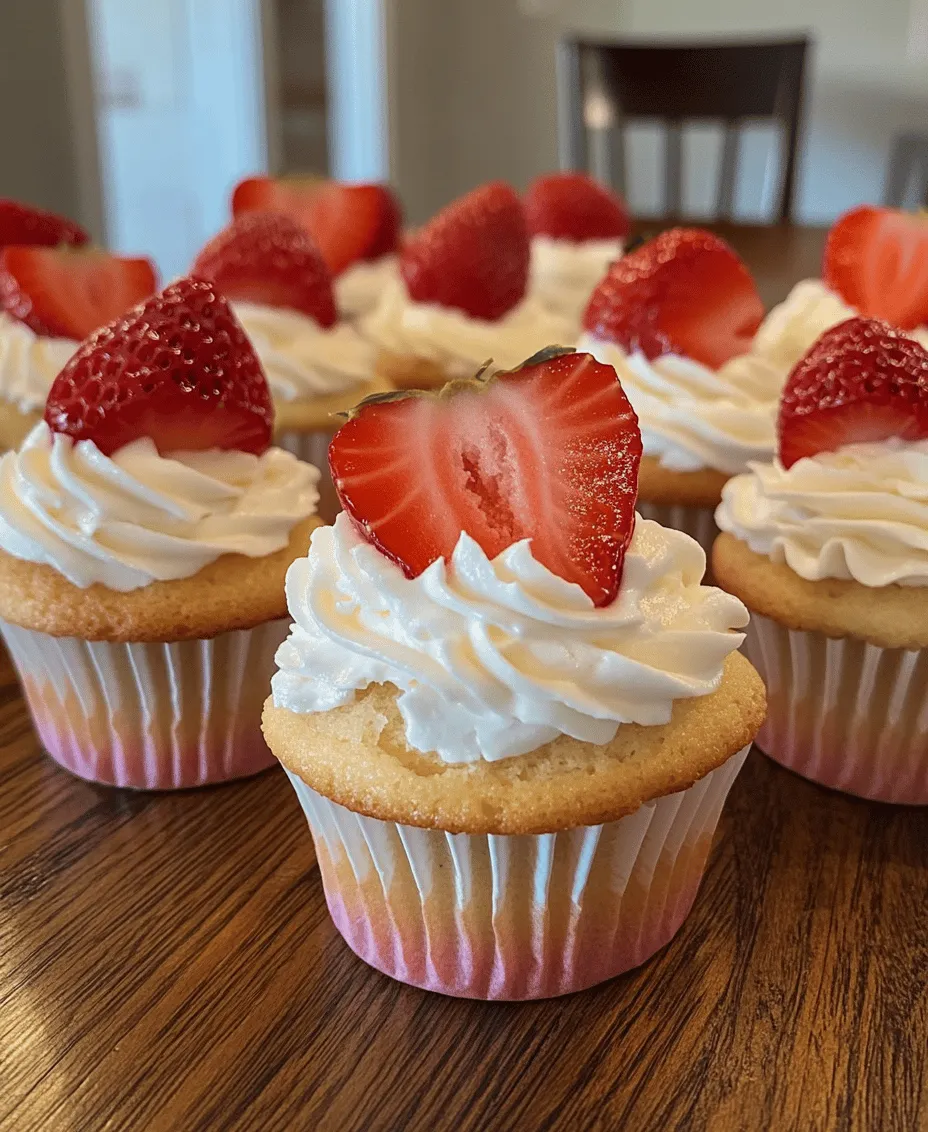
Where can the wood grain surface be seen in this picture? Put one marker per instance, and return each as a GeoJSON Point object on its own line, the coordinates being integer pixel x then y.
{"type": "Point", "coordinates": [167, 962]}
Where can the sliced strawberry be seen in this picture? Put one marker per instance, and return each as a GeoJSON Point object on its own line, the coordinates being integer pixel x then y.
{"type": "Point", "coordinates": [34, 227]}
{"type": "Point", "coordinates": [269, 258]}
{"type": "Point", "coordinates": [472, 256]}
{"type": "Point", "coordinates": [573, 206]}
{"type": "Point", "coordinates": [685, 292]}
{"type": "Point", "coordinates": [862, 381]}
{"type": "Point", "coordinates": [348, 223]}
{"type": "Point", "coordinates": [68, 293]}
{"type": "Point", "coordinates": [548, 452]}
{"type": "Point", "coordinates": [178, 368]}
{"type": "Point", "coordinates": [876, 259]}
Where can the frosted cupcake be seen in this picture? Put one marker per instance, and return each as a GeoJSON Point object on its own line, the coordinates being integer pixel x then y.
{"type": "Point", "coordinates": [675, 318]}
{"type": "Point", "coordinates": [577, 228]}
{"type": "Point", "coordinates": [316, 365]}
{"type": "Point", "coordinates": [357, 228]}
{"type": "Point", "coordinates": [146, 529]}
{"type": "Point", "coordinates": [50, 299]}
{"type": "Point", "coordinates": [511, 712]}
{"type": "Point", "coordinates": [874, 265]}
{"type": "Point", "coordinates": [828, 547]}
{"type": "Point", "coordinates": [463, 296]}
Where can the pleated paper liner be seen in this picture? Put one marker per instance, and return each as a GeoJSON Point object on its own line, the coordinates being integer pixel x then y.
{"type": "Point", "coordinates": [844, 713]}
{"type": "Point", "coordinates": [697, 522]}
{"type": "Point", "coordinates": [313, 448]}
{"type": "Point", "coordinates": [515, 917]}
{"type": "Point", "coordinates": [157, 716]}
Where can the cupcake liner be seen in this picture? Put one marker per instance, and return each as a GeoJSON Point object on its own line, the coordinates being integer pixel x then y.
{"type": "Point", "coordinates": [844, 713]}
{"type": "Point", "coordinates": [156, 716]}
{"type": "Point", "coordinates": [515, 917]}
{"type": "Point", "coordinates": [697, 522]}
{"type": "Point", "coordinates": [313, 448]}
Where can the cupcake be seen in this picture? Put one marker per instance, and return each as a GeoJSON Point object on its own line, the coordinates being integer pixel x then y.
{"type": "Point", "coordinates": [510, 711]}
{"type": "Point", "coordinates": [828, 547]}
{"type": "Point", "coordinates": [675, 318]}
{"type": "Point", "coordinates": [873, 266]}
{"type": "Point", "coordinates": [146, 528]}
{"type": "Point", "coordinates": [357, 228]}
{"type": "Point", "coordinates": [462, 298]}
{"type": "Point", "coordinates": [266, 265]}
{"type": "Point", "coordinates": [51, 297]}
{"type": "Point", "coordinates": [577, 227]}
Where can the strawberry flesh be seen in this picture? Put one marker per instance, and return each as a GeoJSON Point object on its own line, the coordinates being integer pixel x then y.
{"type": "Point", "coordinates": [573, 206]}
{"type": "Point", "coordinates": [268, 258]}
{"type": "Point", "coordinates": [548, 452]}
{"type": "Point", "coordinates": [876, 259]}
{"type": "Point", "coordinates": [685, 292]}
{"type": "Point", "coordinates": [473, 256]}
{"type": "Point", "coordinates": [68, 292]}
{"type": "Point", "coordinates": [24, 225]}
{"type": "Point", "coordinates": [177, 368]}
{"type": "Point", "coordinates": [862, 381]}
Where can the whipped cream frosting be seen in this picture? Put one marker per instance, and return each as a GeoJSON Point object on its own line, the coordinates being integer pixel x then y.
{"type": "Point", "coordinates": [303, 359]}
{"type": "Point", "coordinates": [29, 363]}
{"type": "Point", "coordinates": [359, 287]}
{"type": "Point", "coordinates": [494, 658]}
{"type": "Point", "coordinates": [137, 517]}
{"type": "Point", "coordinates": [459, 343]}
{"type": "Point", "coordinates": [859, 513]}
{"type": "Point", "coordinates": [693, 417]}
{"type": "Point", "coordinates": [791, 328]}
{"type": "Point", "coordinates": [563, 273]}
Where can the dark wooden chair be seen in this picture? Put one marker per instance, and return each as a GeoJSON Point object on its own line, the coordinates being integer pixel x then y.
{"type": "Point", "coordinates": [602, 86]}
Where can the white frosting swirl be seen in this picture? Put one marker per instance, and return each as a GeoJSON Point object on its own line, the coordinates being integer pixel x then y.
{"type": "Point", "coordinates": [359, 287]}
{"type": "Point", "coordinates": [495, 658]}
{"type": "Point", "coordinates": [791, 328]}
{"type": "Point", "coordinates": [693, 417]}
{"type": "Point", "coordinates": [459, 343]}
{"type": "Point", "coordinates": [563, 273]}
{"type": "Point", "coordinates": [29, 363]}
{"type": "Point", "coordinates": [859, 513]}
{"type": "Point", "coordinates": [302, 358]}
{"type": "Point", "coordinates": [137, 517]}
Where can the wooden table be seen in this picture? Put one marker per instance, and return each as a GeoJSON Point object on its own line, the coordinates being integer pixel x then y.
{"type": "Point", "coordinates": [167, 962]}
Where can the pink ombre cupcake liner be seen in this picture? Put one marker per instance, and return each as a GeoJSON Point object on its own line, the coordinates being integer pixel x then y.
{"type": "Point", "coordinates": [844, 713]}
{"type": "Point", "coordinates": [313, 448]}
{"type": "Point", "coordinates": [515, 917]}
{"type": "Point", "coordinates": [697, 522]}
{"type": "Point", "coordinates": [150, 716]}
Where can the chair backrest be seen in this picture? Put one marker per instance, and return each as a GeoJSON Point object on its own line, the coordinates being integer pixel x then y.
{"type": "Point", "coordinates": [603, 85]}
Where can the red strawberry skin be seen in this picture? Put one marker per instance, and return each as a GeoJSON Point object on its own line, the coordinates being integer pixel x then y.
{"type": "Point", "coordinates": [573, 206]}
{"type": "Point", "coordinates": [684, 292]}
{"type": "Point", "coordinates": [473, 256]}
{"type": "Point", "coordinates": [548, 452]}
{"type": "Point", "coordinates": [178, 368]}
{"type": "Point", "coordinates": [862, 381]}
{"type": "Point", "coordinates": [25, 225]}
{"type": "Point", "coordinates": [348, 223]}
{"type": "Point", "coordinates": [268, 258]}
{"type": "Point", "coordinates": [70, 292]}
{"type": "Point", "coordinates": [876, 259]}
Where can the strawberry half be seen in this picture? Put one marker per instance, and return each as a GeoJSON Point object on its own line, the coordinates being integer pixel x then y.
{"type": "Point", "coordinates": [178, 368]}
{"type": "Point", "coordinates": [573, 206]}
{"type": "Point", "coordinates": [268, 258]}
{"type": "Point", "coordinates": [348, 223]}
{"type": "Point", "coordinates": [862, 381]}
{"type": "Point", "coordinates": [68, 292]}
{"type": "Point", "coordinates": [685, 292]}
{"type": "Point", "coordinates": [876, 259]}
{"type": "Point", "coordinates": [34, 227]}
{"type": "Point", "coordinates": [549, 452]}
{"type": "Point", "coordinates": [472, 256]}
